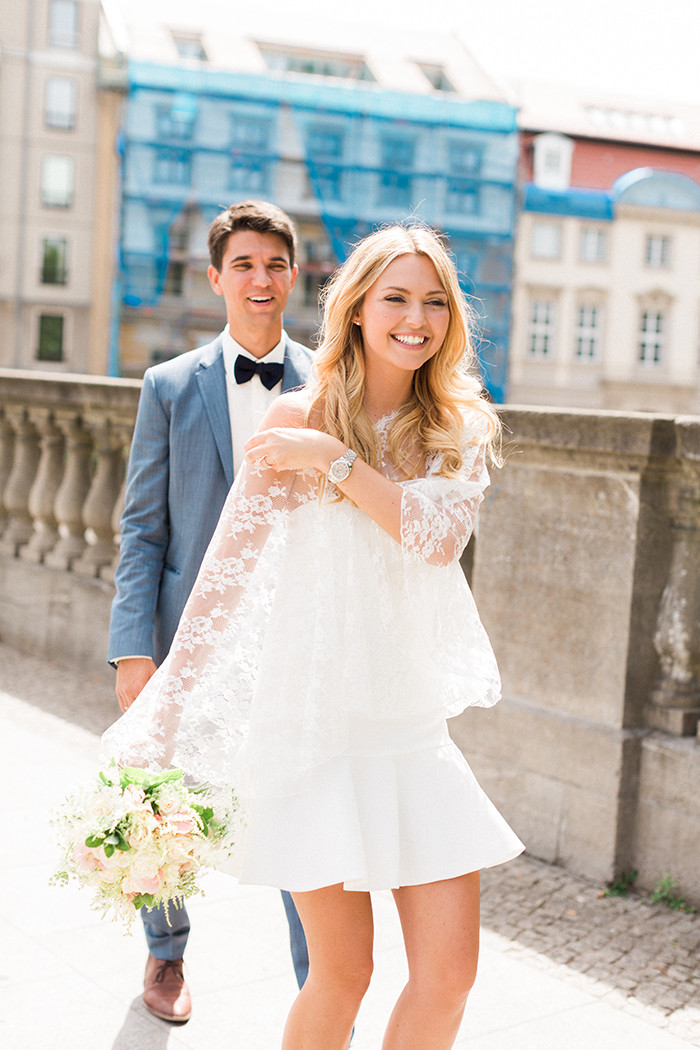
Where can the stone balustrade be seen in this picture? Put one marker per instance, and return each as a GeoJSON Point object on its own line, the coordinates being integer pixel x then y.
{"type": "Point", "coordinates": [584, 569]}
{"type": "Point", "coordinates": [64, 444]}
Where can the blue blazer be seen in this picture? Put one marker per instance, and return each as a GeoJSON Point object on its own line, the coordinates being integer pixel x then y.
{"type": "Point", "coordinates": [180, 472]}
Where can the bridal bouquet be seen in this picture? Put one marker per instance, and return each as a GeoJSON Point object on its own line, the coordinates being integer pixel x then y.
{"type": "Point", "coordinates": [141, 838]}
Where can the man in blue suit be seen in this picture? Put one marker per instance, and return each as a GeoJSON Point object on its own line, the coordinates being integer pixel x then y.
{"type": "Point", "coordinates": [195, 414]}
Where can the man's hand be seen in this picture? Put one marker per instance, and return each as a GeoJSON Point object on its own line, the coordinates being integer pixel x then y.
{"type": "Point", "coordinates": [132, 675]}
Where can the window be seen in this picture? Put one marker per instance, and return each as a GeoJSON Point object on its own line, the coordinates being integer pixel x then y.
{"type": "Point", "coordinates": [176, 121]}
{"type": "Point", "coordinates": [395, 183]}
{"type": "Point", "coordinates": [541, 328]}
{"type": "Point", "coordinates": [248, 175]}
{"type": "Point", "coordinates": [546, 240]}
{"type": "Point", "coordinates": [316, 63]}
{"type": "Point", "coordinates": [53, 260]}
{"type": "Point", "coordinates": [652, 337]}
{"type": "Point", "coordinates": [250, 134]}
{"type": "Point", "coordinates": [50, 346]}
{"type": "Point", "coordinates": [189, 45]}
{"type": "Point", "coordinates": [59, 103]}
{"type": "Point", "coordinates": [588, 332]}
{"type": "Point", "coordinates": [63, 23]}
{"type": "Point", "coordinates": [174, 279]}
{"type": "Point", "coordinates": [325, 146]}
{"type": "Point", "coordinates": [437, 76]}
{"type": "Point", "coordinates": [461, 198]}
{"type": "Point", "coordinates": [552, 156]}
{"type": "Point", "coordinates": [171, 167]}
{"type": "Point", "coordinates": [462, 187]}
{"type": "Point", "coordinates": [592, 245]}
{"type": "Point", "coordinates": [464, 158]}
{"type": "Point", "coordinates": [57, 181]}
{"type": "Point", "coordinates": [658, 251]}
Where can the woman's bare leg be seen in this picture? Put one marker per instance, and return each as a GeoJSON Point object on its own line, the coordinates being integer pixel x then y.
{"type": "Point", "coordinates": [339, 932]}
{"type": "Point", "coordinates": [440, 923]}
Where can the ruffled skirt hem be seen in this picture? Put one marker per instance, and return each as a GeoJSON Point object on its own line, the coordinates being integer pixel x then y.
{"type": "Point", "coordinates": [374, 822]}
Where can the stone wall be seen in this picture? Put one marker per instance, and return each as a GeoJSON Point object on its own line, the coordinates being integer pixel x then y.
{"type": "Point", "coordinates": [585, 571]}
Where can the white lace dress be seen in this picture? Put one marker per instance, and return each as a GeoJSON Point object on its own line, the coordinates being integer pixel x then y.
{"type": "Point", "coordinates": [314, 668]}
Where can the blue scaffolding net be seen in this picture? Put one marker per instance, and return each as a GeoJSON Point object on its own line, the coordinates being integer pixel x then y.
{"type": "Point", "coordinates": [200, 139]}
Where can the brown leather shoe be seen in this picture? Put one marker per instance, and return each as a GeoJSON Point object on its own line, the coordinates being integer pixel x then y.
{"type": "Point", "coordinates": [165, 993]}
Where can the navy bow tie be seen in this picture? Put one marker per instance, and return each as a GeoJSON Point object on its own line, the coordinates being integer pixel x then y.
{"type": "Point", "coordinates": [244, 369]}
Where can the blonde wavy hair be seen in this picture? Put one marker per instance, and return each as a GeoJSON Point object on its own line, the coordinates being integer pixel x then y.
{"type": "Point", "coordinates": [444, 387]}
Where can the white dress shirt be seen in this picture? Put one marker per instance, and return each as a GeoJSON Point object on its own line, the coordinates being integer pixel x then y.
{"type": "Point", "coordinates": [247, 402]}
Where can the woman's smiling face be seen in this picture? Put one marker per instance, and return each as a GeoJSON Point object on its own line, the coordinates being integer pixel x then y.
{"type": "Point", "coordinates": [404, 316]}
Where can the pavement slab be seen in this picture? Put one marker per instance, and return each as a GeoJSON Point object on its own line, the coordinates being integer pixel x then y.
{"type": "Point", "coordinates": [562, 966]}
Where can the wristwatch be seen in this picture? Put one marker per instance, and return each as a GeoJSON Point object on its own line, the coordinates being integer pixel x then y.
{"type": "Point", "coordinates": [340, 468]}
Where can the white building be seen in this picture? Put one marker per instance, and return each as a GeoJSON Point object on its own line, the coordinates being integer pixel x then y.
{"type": "Point", "coordinates": [606, 306]}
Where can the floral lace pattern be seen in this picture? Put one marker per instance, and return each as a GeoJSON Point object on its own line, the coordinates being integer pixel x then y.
{"type": "Point", "coordinates": [308, 624]}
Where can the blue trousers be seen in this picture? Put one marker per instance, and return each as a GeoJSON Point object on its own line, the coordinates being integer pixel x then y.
{"type": "Point", "coordinates": [168, 941]}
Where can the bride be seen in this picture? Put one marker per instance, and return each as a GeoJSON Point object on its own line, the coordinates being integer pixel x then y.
{"type": "Point", "coordinates": [331, 633]}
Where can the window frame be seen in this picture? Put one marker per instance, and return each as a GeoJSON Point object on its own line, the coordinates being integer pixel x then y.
{"type": "Point", "coordinates": [644, 334]}
{"type": "Point", "coordinates": [51, 358]}
{"type": "Point", "coordinates": [60, 267]}
{"type": "Point", "coordinates": [588, 331]}
{"type": "Point", "coordinates": [55, 117]}
{"type": "Point", "coordinates": [539, 251]}
{"type": "Point", "coordinates": [541, 331]}
{"type": "Point", "coordinates": [49, 197]}
{"type": "Point", "coordinates": [657, 251]}
{"type": "Point", "coordinates": [65, 36]}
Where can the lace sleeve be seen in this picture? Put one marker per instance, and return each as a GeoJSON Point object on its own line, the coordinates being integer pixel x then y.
{"type": "Point", "coordinates": [438, 514]}
{"type": "Point", "coordinates": [185, 716]}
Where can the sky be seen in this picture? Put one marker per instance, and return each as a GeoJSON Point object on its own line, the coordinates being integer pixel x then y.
{"type": "Point", "coordinates": [644, 49]}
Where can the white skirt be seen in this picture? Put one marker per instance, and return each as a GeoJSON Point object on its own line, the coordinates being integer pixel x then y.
{"type": "Point", "coordinates": [390, 813]}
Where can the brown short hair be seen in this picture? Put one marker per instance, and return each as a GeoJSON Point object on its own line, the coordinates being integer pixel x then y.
{"type": "Point", "coordinates": [260, 216]}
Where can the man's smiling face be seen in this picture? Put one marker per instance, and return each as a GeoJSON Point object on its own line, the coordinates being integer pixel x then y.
{"type": "Point", "coordinates": [255, 280]}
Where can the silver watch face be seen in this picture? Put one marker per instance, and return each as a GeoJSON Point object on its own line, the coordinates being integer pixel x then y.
{"type": "Point", "coordinates": [339, 470]}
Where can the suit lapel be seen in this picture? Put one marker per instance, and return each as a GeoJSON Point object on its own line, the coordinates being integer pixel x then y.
{"type": "Point", "coordinates": [211, 382]}
{"type": "Point", "coordinates": [296, 366]}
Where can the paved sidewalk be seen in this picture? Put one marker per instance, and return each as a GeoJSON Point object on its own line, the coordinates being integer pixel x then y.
{"type": "Point", "coordinates": [562, 968]}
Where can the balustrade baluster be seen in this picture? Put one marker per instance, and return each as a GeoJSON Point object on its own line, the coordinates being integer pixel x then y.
{"type": "Point", "coordinates": [45, 487]}
{"type": "Point", "coordinates": [103, 494]}
{"type": "Point", "coordinates": [7, 455]}
{"type": "Point", "coordinates": [125, 433]}
{"type": "Point", "coordinates": [16, 493]}
{"type": "Point", "coordinates": [72, 493]}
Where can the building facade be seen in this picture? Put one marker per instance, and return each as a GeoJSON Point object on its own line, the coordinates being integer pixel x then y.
{"type": "Point", "coordinates": [329, 137]}
{"type": "Point", "coordinates": [53, 296]}
{"type": "Point", "coordinates": [606, 305]}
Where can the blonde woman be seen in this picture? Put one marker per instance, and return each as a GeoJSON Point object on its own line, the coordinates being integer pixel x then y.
{"type": "Point", "coordinates": [331, 633]}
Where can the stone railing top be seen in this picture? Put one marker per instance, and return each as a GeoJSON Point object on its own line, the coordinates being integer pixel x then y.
{"type": "Point", "coordinates": [119, 396]}
{"type": "Point", "coordinates": [630, 434]}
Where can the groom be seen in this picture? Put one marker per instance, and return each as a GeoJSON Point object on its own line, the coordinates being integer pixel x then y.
{"type": "Point", "coordinates": [195, 414]}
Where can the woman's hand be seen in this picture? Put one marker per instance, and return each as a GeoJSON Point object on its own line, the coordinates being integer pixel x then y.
{"type": "Point", "coordinates": [294, 448]}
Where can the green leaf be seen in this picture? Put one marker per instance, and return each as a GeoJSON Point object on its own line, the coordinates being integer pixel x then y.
{"type": "Point", "coordinates": [144, 899]}
{"type": "Point", "coordinates": [109, 850]}
{"type": "Point", "coordinates": [93, 841]}
{"type": "Point", "coordinates": [145, 779]}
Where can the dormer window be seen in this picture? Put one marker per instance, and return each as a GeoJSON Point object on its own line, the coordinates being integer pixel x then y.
{"type": "Point", "coordinates": [552, 161]}
{"type": "Point", "coordinates": [189, 45]}
{"type": "Point", "coordinates": [315, 63]}
{"type": "Point", "coordinates": [437, 76]}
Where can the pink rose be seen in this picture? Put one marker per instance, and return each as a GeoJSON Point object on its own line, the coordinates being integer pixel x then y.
{"type": "Point", "coordinates": [142, 882]}
{"type": "Point", "coordinates": [85, 859]}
